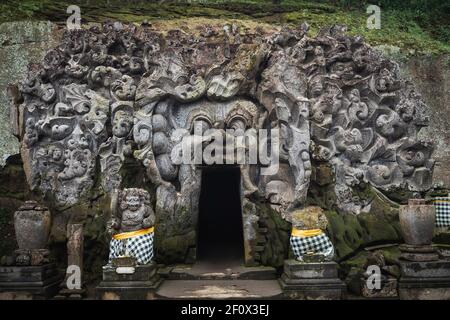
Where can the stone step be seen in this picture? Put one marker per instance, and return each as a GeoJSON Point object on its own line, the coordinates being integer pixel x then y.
{"type": "Point", "coordinates": [205, 272]}
{"type": "Point", "coordinates": [219, 289]}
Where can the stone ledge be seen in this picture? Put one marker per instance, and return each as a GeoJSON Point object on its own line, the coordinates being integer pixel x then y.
{"type": "Point", "coordinates": [30, 282]}
{"type": "Point", "coordinates": [140, 285]}
{"type": "Point", "coordinates": [300, 270]}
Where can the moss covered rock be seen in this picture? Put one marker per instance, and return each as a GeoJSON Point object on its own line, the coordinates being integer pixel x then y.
{"type": "Point", "coordinates": [350, 232]}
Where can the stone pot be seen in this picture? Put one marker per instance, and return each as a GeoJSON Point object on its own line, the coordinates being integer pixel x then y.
{"type": "Point", "coordinates": [417, 221]}
{"type": "Point", "coordinates": [32, 224]}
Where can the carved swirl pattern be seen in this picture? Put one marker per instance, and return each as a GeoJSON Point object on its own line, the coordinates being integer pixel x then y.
{"type": "Point", "coordinates": [116, 91]}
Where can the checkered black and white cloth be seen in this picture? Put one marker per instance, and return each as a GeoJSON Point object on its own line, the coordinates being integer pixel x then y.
{"type": "Point", "coordinates": [442, 206]}
{"type": "Point", "coordinates": [319, 244]}
{"type": "Point", "coordinates": [139, 247]}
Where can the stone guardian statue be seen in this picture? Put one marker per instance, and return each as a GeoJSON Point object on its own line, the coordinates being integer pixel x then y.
{"type": "Point", "coordinates": [132, 226]}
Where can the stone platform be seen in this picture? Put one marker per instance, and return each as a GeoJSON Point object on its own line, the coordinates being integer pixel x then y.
{"type": "Point", "coordinates": [219, 280]}
{"type": "Point", "coordinates": [29, 282]}
{"type": "Point", "coordinates": [219, 289]}
{"type": "Point", "coordinates": [204, 271]}
{"type": "Point", "coordinates": [311, 281]}
{"type": "Point", "coordinates": [425, 280]}
{"type": "Point", "coordinates": [140, 285]}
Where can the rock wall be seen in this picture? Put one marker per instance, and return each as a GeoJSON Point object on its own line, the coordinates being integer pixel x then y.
{"type": "Point", "coordinates": [21, 43]}
{"type": "Point", "coordinates": [431, 76]}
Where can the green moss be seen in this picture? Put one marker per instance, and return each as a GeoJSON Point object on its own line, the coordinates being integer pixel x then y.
{"type": "Point", "coordinates": [412, 31]}
{"type": "Point", "coordinates": [350, 233]}
{"type": "Point", "coordinates": [345, 232]}
{"type": "Point", "coordinates": [356, 262]}
{"type": "Point", "coordinates": [276, 248]}
{"type": "Point", "coordinates": [377, 229]}
{"type": "Point", "coordinates": [173, 249]}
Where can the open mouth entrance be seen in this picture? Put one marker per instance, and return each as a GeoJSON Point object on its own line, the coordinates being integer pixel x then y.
{"type": "Point", "coordinates": [220, 235]}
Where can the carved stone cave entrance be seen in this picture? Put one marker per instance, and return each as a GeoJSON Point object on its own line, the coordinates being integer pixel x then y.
{"type": "Point", "coordinates": [220, 238]}
{"type": "Point", "coordinates": [110, 94]}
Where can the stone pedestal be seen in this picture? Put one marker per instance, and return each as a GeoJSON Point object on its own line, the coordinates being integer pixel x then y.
{"type": "Point", "coordinates": [141, 284]}
{"type": "Point", "coordinates": [29, 282]}
{"type": "Point", "coordinates": [72, 287]}
{"type": "Point", "coordinates": [418, 253]}
{"type": "Point", "coordinates": [311, 280]}
{"type": "Point", "coordinates": [425, 280]}
{"type": "Point", "coordinates": [423, 275]}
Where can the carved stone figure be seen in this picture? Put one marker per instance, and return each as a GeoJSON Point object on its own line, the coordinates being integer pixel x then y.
{"type": "Point", "coordinates": [308, 238]}
{"type": "Point", "coordinates": [132, 226]}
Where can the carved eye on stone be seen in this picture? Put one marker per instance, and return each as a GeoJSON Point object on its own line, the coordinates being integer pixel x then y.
{"type": "Point", "coordinates": [29, 123]}
{"type": "Point", "coordinates": [409, 155]}
{"type": "Point", "coordinates": [60, 131]}
{"type": "Point", "coordinates": [420, 156]}
{"type": "Point", "coordinates": [182, 79]}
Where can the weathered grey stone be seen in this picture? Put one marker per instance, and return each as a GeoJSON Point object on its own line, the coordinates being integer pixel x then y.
{"type": "Point", "coordinates": [417, 221]}
{"type": "Point", "coordinates": [430, 74]}
{"type": "Point", "coordinates": [32, 228]}
{"type": "Point", "coordinates": [311, 281]}
{"type": "Point", "coordinates": [388, 289]}
{"type": "Point", "coordinates": [298, 270]}
{"type": "Point", "coordinates": [75, 246]}
{"type": "Point", "coordinates": [427, 280]}
{"type": "Point", "coordinates": [431, 269]}
{"type": "Point", "coordinates": [21, 43]}
{"type": "Point", "coordinates": [141, 285]}
{"type": "Point", "coordinates": [110, 94]}
{"type": "Point", "coordinates": [29, 282]}
{"type": "Point", "coordinates": [131, 212]}
{"type": "Point", "coordinates": [378, 112]}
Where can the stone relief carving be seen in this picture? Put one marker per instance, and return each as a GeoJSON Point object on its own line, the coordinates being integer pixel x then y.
{"type": "Point", "coordinates": [130, 211]}
{"type": "Point", "coordinates": [131, 225]}
{"type": "Point", "coordinates": [117, 91]}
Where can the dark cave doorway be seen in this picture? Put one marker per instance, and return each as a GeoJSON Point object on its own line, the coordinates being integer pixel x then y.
{"type": "Point", "coordinates": [220, 239]}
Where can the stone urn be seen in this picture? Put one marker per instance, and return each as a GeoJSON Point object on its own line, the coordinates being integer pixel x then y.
{"type": "Point", "coordinates": [417, 221]}
{"type": "Point", "coordinates": [32, 224]}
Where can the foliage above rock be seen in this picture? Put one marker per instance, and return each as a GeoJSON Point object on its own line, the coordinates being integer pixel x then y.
{"type": "Point", "coordinates": [412, 26]}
